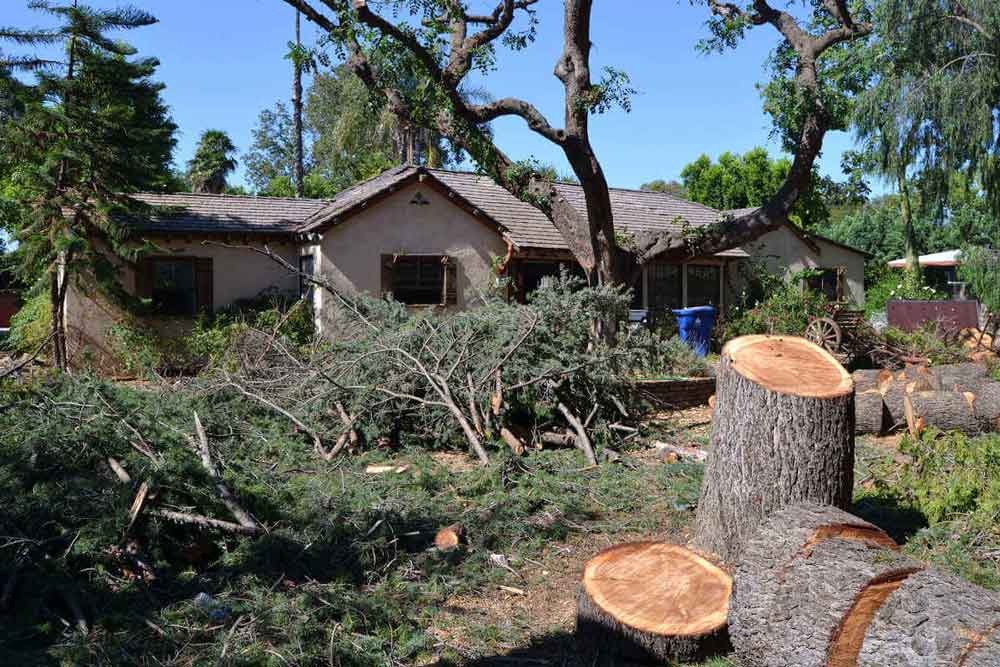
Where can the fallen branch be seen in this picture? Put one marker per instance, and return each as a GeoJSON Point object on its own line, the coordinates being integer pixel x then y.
{"type": "Point", "coordinates": [228, 499]}
{"type": "Point", "coordinates": [682, 452]}
{"type": "Point", "coordinates": [17, 367]}
{"type": "Point", "coordinates": [204, 522]}
{"type": "Point", "coordinates": [582, 439]}
{"type": "Point", "coordinates": [317, 441]}
{"type": "Point", "coordinates": [119, 471]}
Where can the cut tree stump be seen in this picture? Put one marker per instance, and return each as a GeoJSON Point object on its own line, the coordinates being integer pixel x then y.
{"type": "Point", "coordinates": [807, 587]}
{"type": "Point", "coordinates": [653, 601]}
{"type": "Point", "coordinates": [783, 432]}
{"type": "Point", "coordinates": [945, 410]}
{"type": "Point", "coordinates": [934, 619]}
{"type": "Point", "coordinates": [870, 415]}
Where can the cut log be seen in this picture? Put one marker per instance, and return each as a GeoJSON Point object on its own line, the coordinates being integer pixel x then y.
{"type": "Point", "coordinates": [514, 437]}
{"type": "Point", "coordinates": [870, 415]}
{"type": "Point", "coordinates": [682, 452]}
{"type": "Point", "coordinates": [870, 379]}
{"type": "Point", "coordinates": [893, 394]}
{"type": "Point", "coordinates": [987, 405]}
{"type": "Point", "coordinates": [945, 410]}
{"type": "Point", "coordinates": [959, 375]}
{"type": "Point", "coordinates": [653, 601]}
{"type": "Point", "coordinates": [783, 432]}
{"type": "Point", "coordinates": [934, 619]}
{"type": "Point", "coordinates": [450, 537]}
{"type": "Point", "coordinates": [806, 584]}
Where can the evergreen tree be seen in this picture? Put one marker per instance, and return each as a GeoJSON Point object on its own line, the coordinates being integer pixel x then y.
{"type": "Point", "coordinates": [214, 160]}
{"type": "Point", "coordinates": [93, 129]}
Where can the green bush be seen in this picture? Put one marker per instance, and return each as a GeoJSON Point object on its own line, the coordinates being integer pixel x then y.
{"type": "Point", "coordinates": [898, 285]}
{"type": "Point", "coordinates": [788, 310]}
{"type": "Point", "coordinates": [31, 325]}
{"type": "Point", "coordinates": [929, 343]}
{"type": "Point", "coordinates": [668, 358]}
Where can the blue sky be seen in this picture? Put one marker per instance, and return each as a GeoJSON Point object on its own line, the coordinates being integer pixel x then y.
{"type": "Point", "coordinates": [222, 62]}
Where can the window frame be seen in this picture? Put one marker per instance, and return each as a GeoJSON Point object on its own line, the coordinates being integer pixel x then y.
{"type": "Point", "coordinates": [203, 284]}
{"type": "Point", "coordinates": [838, 272]}
{"type": "Point", "coordinates": [447, 289]}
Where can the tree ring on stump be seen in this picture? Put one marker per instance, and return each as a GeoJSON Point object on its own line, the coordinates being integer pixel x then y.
{"type": "Point", "coordinates": [789, 365]}
{"type": "Point", "coordinates": [652, 600]}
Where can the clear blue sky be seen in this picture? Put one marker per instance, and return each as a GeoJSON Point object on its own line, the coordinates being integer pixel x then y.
{"type": "Point", "coordinates": [222, 62]}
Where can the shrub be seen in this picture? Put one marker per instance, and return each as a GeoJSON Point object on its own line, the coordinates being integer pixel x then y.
{"type": "Point", "coordinates": [668, 358]}
{"type": "Point", "coordinates": [31, 325]}
{"type": "Point", "coordinates": [928, 342]}
{"type": "Point", "coordinates": [788, 310]}
{"type": "Point", "coordinates": [898, 285]}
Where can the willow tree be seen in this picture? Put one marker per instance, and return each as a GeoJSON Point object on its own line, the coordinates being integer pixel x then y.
{"type": "Point", "coordinates": [934, 107]}
{"type": "Point", "coordinates": [446, 40]}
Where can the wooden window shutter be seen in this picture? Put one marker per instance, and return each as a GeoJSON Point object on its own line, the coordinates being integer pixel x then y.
{"type": "Point", "coordinates": [450, 281]}
{"type": "Point", "coordinates": [385, 264]}
{"type": "Point", "coordinates": [144, 278]}
{"type": "Point", "coordinates": [204, 284]}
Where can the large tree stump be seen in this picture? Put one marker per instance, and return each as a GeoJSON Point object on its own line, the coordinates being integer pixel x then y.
{"type": "Point", "coordinates": [653, 601]}
{"type": "Point", "coordinates": [945, 410]}
{"type": "Point", "coordinates": [870, 415]}
{"type": "Point", "coordinates": [805, 587]}
{"type": "Point", "coordinates": [934, 619]}
{"type": "Point", "coordinates": [783, 432]}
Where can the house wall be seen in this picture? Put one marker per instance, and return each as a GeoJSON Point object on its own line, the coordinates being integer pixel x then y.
{"type": "Point", "coordinates": [237, 274]}
{"type": "Point", "coordinates": [785, 254]}
{"type": "Point", "coordinates": [349, 254]}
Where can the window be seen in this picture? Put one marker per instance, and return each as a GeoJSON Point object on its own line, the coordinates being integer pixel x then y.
{"type": "Point", "coordinates": [828, 282]}
{"type": "Point", "coordinates": [420, 280]}
{"type": "Point", "coordinates": [704, 285]}
{"type": "Point", "coordinates": [666, 286]}
{"type": "Point", "coordinates": [307, 268]}
{"type": "Point", "coordinates": [176, 286]}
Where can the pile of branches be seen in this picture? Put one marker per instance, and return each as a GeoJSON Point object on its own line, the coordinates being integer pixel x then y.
{"type": "Point", "coordinates": [500, 374]}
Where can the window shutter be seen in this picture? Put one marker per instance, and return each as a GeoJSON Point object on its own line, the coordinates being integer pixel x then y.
{"type": "Point", "coordinates": [204, 284]}
{"type": "Point", "coordinates": [144, 278]}
{"type": "Point", "coordinates": [450, 281]}
{"type": "Point", "coordinates": [385, 264]}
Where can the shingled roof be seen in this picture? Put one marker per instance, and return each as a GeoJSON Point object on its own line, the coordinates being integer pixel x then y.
{"type": "Point", "coordinates": [524, 225]}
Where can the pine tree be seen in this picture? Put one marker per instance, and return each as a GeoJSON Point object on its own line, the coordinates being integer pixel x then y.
{"type": "Point", "coordinates": [93, 130]}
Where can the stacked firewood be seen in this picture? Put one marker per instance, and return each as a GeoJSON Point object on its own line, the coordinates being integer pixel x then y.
{"type": "Point", "coordinates": [952, 397]}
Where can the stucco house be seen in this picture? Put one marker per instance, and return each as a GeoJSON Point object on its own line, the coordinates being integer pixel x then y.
{"type": "Point", "coordinates": [428, 237]}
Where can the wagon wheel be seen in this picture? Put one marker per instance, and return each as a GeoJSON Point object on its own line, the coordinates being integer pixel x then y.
{"type": "Point", "coordinates": [825, 332]}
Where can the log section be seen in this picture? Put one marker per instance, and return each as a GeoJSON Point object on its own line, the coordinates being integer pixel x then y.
{"type": "Point", "coordinates": [870, 415]}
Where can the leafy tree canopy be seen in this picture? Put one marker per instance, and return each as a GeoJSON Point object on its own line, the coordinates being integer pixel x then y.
{"type": "Point", "coordinates": [674, 188]}
{"type": "Point", "coordinates": [214, 160]}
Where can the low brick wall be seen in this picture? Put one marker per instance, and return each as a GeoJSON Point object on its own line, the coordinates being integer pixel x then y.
{"type": "Point", "coordinates": [679, 394]}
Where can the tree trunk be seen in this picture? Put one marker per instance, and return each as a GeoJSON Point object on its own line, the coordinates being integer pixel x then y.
{"type": "Point", "coordinates": [804, 585]}
{"type": "Point", "coordinates": [55, 321]}
{"type": "Point", "coordinates": [653, 602]}
{"type": "Point", "coordinates": [909, 233]}
{"type": "Point", "coordinates": [869, 412]}
{"type": "Point", "coordinates": [945, 410]}
{"type": "Point", "coordinates": [959, 377]}
{"type": "Point", "coordinates": [934, 619]}
{"type": "Point", "coordinates": [893, 394]}
{"type": "Point", "coordinates": [869, 379]}
{"type": "Point", "coordinates": [300, 168]}
{"type": "Point", "coordinates": [783, 432]}
{"type": "Point", "coordinates": [987, 405]}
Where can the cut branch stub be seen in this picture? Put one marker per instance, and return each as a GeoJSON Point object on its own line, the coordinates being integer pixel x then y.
{"type": "Point", "coordinates": [653, 601]}
{"type": "Point", "coordinates": [782, 432]}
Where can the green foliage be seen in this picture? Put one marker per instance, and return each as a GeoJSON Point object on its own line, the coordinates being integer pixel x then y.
{"type": "Point", "coordinates": [980, 268]}
{"type": "Point", "coordinates": [929, 343]}
{"type": "Point", "coordinates": [673, 188]}
{"type": "Point", "coordinates": [214, 159]}
{"type": "Point", "coordinates": [785, 308]}
{"type": "Point", "coordinates": [345, 569]}
{"type": "Point", "coordinates": [30, 326]}
{"type": "Point", "coordinates": [749, 181]}
{"type": "Point", "coordinates": [669, 358]}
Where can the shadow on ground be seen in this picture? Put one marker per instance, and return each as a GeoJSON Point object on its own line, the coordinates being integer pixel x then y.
{"type": "Point", "coordinates": [900, 521]}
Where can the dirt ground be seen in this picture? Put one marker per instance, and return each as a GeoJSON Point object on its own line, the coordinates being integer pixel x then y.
{"type": "Point", "coordinates": [530, 621]}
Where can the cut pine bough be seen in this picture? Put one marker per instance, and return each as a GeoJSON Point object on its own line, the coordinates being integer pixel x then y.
{"type": "Point", "coordinates": [818, 587]}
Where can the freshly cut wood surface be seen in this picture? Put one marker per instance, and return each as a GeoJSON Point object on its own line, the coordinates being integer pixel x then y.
{"type": "Point", "coordinates": [771, 447]}
{"type": "Point", "coordinates": [450, 537]}
{"type": "Point", "coordinates": [654, 600]}
{"type": "Point", "coordinates": [789, 365]}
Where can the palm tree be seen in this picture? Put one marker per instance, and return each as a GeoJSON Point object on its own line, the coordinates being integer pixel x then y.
{"type": "Point", "coordinates": [214, 160]}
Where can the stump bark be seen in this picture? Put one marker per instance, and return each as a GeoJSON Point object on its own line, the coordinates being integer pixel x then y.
{"type": "Point", "coordinates": [934, 619]}
{"type": "Point", "coordinates": [806, 585]}
{"type": "Point", "coordinates": [782, 432]}
{"type": "Point", "coordinates": [870, 415]}
{"type": "Point", "coordinates": [653, 601]}
{"type": "Point", "coordinates": [870, 379]}
{"type": "Point", "coordinates": [987, 404]}
{"type": "Point", "coordinates": [893, 395]}
{"type": "Point", "coordinates": [945, 410]}
{"type": "Point", "coordinates": [957, 377]}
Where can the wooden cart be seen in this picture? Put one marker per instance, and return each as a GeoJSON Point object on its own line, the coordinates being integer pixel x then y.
{"type": "Point", "coordinates": [839, 332]}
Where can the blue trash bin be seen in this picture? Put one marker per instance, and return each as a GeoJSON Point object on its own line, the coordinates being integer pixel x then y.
{"type": "Point", "coordinates": [695, 326]}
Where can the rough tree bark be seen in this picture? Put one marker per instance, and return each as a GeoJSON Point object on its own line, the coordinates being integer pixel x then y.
{"type": "Point", "coordinates": [299, 167]}
{"type": "Point", "coordinates": [869, 412]}
{"type": "Point", "coordinates": [783, 432]}
{"type": "Point", "coordinates": [653, 601]}
{"type": "Point", "coordinates": [944, 410]}
{"type": "Point", "coordinates": [987, 404]}
{"type": "Point", "coordinates": [803, 591]}
{"type": "Point", "coordinates": [590, 234]}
